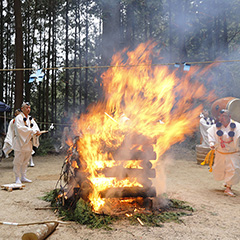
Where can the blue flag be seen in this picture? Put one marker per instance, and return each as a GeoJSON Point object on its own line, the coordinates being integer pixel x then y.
{"type": "Point", "coordinates": [38, 76]}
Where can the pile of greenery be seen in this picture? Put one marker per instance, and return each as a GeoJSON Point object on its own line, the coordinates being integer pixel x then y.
{"type": "Point", "coordinates": [84, 215]}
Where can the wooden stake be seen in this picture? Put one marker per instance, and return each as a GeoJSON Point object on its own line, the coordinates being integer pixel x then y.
{"type": "Point", "coordinates": [40, 232]}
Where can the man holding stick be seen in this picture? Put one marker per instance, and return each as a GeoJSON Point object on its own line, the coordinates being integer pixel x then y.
{"type": "Point", "coordinates": [26, 132]}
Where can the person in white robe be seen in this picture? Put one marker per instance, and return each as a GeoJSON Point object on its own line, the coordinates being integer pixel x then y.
{"type": "Point", "coordinates": [26, 134]}
{"type": "Point", "coordinates": [205, 123]}
{"type": "Point", "coordinates": [224, 138]}
{"type": "Point", "coordinates": [8, 141]}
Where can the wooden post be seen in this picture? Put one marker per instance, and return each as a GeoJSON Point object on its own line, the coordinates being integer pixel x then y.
{"type": "Point", "coordinates": [40, 232]}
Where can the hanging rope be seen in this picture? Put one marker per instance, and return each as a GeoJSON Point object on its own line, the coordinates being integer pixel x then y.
{"type": "Point", "coordinates": [49, 123]}
{"type": "Point", "coordinates": [111, 66]}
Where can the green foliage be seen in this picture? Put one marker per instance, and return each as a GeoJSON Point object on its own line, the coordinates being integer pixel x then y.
{"type": "Point", "coordinates": [84, 215]}
{"type": "Point", "coordinates": [51, 197]}
{"type": "Point", "coordinates": [170, 214]}
{"type": "Point", "coordinates": [174, 203]}
{"type": "Point", "coordinates": [156, 220]}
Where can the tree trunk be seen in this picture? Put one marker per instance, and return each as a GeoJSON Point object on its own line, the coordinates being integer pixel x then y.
{"type": "Point", "coordinates": [67, 71]}
{"type": "Point", "coordinates": [42, 100]}
{"type": "Point", "coordinates": [19, 55]}
{"type": "Point", "coordinates": [1, 49]}
{"type": "Point", "coordinates": [27, 49]}
{"type": "Point", "coordinates": [129, 41]}
{"type": "Point", "coordinates": [80, 59]}
{"type": "Point", "coordinates": [48, 61]}
{"type": "Point", "coordinates": [53, 95]}
{"type": "Point", "coordinates": [111, 27]}
{"type": "Point", "coordinates": [39, 106]}
{"type": "Point", "coordinates": [182, 30]}
{"type": "Point", "coordinates": [86, 63]}
{"type": "Point", "coordinates": [75, 58]}
{"type": "Point", "coordinates": [170, 30]}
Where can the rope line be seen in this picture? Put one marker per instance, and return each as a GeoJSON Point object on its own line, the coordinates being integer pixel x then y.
{"type": "Point", "coordinates": [111, 66]}
{"type": "Point", "coordinates": [59, 124]}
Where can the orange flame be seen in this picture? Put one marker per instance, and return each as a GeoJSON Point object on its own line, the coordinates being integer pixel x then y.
{"type": "Point", "coordinates": [139, 98]}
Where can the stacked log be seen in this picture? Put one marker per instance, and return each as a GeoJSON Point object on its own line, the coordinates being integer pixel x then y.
{"type": "Point", "coordinates": [135, 147]}
{"type": "Point", "coordinates": [138, 148]}
{"type": "Point", "coordinates": [121, 173]}
{"type": "Point", "coordinates": [127, 192]}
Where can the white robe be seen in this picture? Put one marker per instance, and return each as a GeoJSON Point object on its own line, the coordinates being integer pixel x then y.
{"type": "Point", "coordinates": [22, 143]}
{"type": "Point", "coordinates": [203, 131]}
{"type": "Point", "coordinates": [227, 159]}
{"type": "Point", "coordinates": [23, 135]}
{"type": "Point", "coordinates": [8, 141]}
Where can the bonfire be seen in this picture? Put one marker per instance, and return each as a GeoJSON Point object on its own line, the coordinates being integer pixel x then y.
{"type": "Point", "coordinates": [114, 163]}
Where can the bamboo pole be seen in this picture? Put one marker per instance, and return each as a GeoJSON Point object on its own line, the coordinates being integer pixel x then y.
{"type": "Point", "coordinates": [32, 223]}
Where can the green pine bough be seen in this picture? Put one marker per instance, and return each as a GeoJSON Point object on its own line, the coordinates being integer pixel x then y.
{"type": "Point", "coordinates": [83, 214]}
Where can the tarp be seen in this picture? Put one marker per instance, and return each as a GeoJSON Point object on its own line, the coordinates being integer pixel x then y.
{"type": "Point", "coordinates": [4, 107]}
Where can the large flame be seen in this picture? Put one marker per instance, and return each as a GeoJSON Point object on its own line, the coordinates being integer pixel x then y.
{"type": "Point", "coordinates": [143, 100]}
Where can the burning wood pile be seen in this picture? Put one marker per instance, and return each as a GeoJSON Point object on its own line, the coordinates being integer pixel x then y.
{"type": "Point", "coordinates": [130, 164]}
{"type": "Point", "coordinates": [145, 111]}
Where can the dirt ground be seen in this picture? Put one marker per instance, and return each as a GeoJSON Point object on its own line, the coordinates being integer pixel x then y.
{"type": "Point", "coordinates": [216, 216]}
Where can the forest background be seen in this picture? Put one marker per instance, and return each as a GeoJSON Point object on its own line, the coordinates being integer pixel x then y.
{"type": "Point", "coordinates": [73, 42]}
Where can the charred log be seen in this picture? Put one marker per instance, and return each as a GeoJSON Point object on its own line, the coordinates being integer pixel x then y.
{"type": "Point", "coordinates": [146, 164]}
{"type": "Point", "coordinates": [145, 182]}
{"type": "Point", "coordinates": [128, 192]}
{"type": "Point", "coordinates": [139, 139]}
{"type": "Point", "coordinates": [134, 155]}
{"type": "Point", "coordinates": [83, 192]}
{"type": "Point", "coordinates": [121, 172]}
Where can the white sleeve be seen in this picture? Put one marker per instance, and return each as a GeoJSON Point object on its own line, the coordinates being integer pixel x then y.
{"type": "Point", "coordinates": [211, 136]}
{"type": "Point", "coordinates": [23, 133]}
{"type": "Point", "coordinates": [35, 127]}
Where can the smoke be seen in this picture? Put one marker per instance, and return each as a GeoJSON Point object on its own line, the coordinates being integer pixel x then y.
{"type": "Point", "coordinates": [161, 166]}
{"type": "Point", "coordinates": [185, 31]}
{"type": "Point", "coordinates": [205, 31]}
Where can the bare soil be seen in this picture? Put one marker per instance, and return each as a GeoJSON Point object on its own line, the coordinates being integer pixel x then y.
{"type": "Point", "coordinates": [216, 216]}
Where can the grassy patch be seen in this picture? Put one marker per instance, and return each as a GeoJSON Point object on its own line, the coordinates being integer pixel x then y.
{"type": "Point", "coordinates": [84, 215]}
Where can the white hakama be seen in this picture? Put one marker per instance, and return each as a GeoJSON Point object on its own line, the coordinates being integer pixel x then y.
{"type": "Point", "coordinates": [22, 143]}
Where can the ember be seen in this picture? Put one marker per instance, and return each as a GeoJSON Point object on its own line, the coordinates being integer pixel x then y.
{"type": "Point", "coordinates": [146, 110]}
